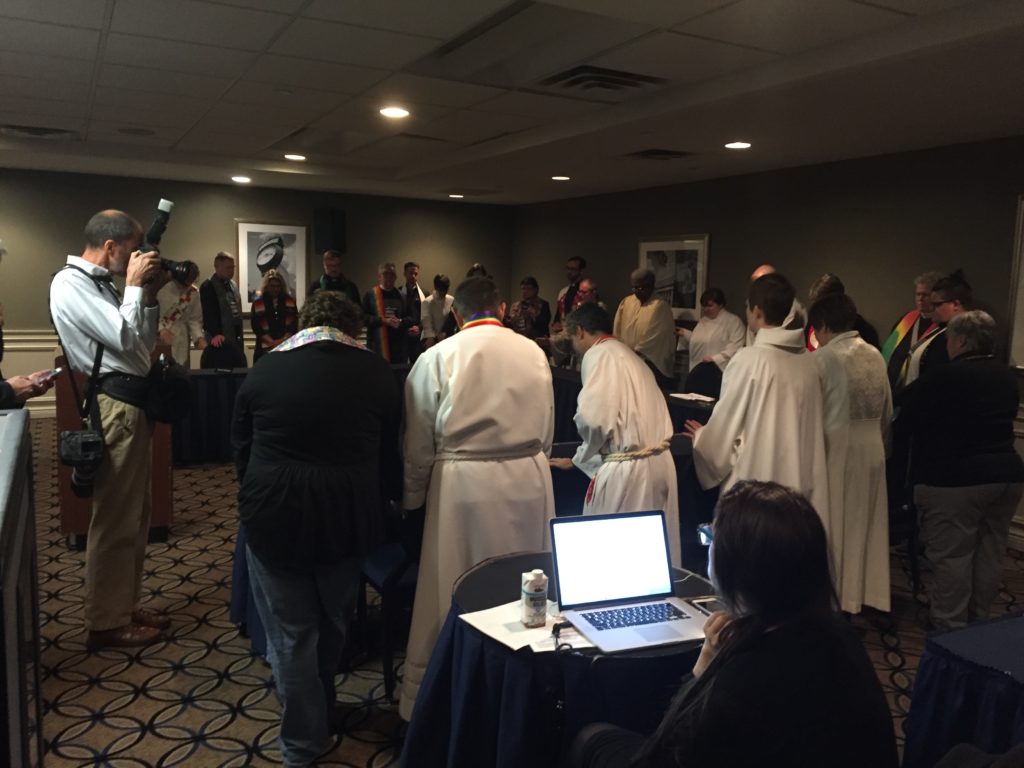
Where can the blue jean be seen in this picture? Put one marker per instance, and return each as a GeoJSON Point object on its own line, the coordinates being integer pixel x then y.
{"type": "Point", "coordinates": [306, 617]}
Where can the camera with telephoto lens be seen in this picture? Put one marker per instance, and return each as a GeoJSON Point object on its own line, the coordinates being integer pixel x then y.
{"type": "Point", "coordinates": [182, 272]}
{"type": "Point", "coordinates": [82, 450]}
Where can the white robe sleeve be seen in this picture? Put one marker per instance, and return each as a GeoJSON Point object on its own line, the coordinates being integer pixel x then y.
{"type": "Point", "coordinates": [717, 443]}
{"type": "Point", "coordinates": [736, 338]}
{"type": "Point", "coordinates": [597, 401]}
{"type": "Point", "coordinates": [422, 401]}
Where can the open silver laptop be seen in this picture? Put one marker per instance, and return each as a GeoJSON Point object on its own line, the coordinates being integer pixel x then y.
{"type": "Point", "coordinates": [615, 581]}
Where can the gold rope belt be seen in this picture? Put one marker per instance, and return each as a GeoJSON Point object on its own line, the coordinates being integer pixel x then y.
{"type": "Point", "coordinates": [643, 453]}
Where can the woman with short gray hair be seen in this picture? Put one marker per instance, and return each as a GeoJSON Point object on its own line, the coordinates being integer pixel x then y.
{"type": "Point", "coordinates": [968, 478]}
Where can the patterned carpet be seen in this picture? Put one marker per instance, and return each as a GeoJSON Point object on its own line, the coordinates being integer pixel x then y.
{"type": "Point", "coordinates": [202, 699]}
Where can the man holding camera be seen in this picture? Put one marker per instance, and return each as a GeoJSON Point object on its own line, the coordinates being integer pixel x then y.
{"type": "Point", "coordinates": [87, 311]}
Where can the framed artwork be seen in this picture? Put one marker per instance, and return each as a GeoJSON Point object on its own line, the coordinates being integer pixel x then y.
{"type": "Point", "coordinates": [680, 266]}
{"type": "Point", "coordinates": [262, 247]}
{"type": "Point", "coordinates": [1016, 319]}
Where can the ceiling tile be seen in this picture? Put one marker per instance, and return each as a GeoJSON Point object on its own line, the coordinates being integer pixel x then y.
{"type": "Point", "coordinates": [253, 113]}
{"type": "Point", "coordinates": [323, 75]}
{"type": "Point", "coordinates": [471, 127]}
{"type": "Point", "coordinates": [62, 119]}
{"type": "Point", "coordinates": [917, 7]}
{"type": "Point", "coordinates": [235, 143]}
{"type": "Point", "coordinates": [123, 103]}
{"type": "Point", "coordinates": [44, 67]}
{"type": "Point", "coordinates": [48, 39]}
{"type": "Point", "coordinates": [273, 96]}
{"type": "Point", "coordinates": [789, 26]}
{"type": "Point", "coordinates": [681, 58]}
{"type": "Point", "coordinates": [162, 81]}
{"type": "Point", "coordinates": [352, 45]}
{"type": "Point", "coordinates": [398, 151]}
{"type": "Point", "coordinates": [334, 144]}
{"type": "Point", "coordinates": [661, 13]}
{"type": "Point", "coordinates": [176, 56]}
{"type": "Point", "coordinates": [60, 90]}
{"type": "Point", "coordinates": [536, 105]}
{"type": "Point", "coordinates": [50, 107]}
{"type": "Point", "coordinates": [441, 20]}
{"type": "Point", "coordinates": [196, 22]}
{"type": "Point", "coordinates": [279, 6]}
{"type": "Point", "coordinates": [110, 132]}
{"type": "Point", "coordinates": [71, 13]}
{"type": "Point", "coordinates": [430, 90]}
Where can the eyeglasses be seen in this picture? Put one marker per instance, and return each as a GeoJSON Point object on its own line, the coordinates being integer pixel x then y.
{"type": "Point", "coordinates": [706, 533]}
{"type": "Point", "coordinates": [944, 301]}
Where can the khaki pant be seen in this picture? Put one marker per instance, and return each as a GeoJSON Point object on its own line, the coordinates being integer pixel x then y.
{"type": "Point", "coordinates": [119, 530]}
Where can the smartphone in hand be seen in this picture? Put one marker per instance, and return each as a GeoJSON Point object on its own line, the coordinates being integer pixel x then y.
{"type": "Point", "coordinates": [49, 375]}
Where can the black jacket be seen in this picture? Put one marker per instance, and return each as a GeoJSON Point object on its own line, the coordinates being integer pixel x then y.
{"type": "Point", "coordinates": [315, 437]}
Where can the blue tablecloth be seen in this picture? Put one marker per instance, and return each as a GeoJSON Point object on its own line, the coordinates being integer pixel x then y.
{"type": "Point", "coordinates": [483, 704]}
{"type": "Point", "coordinates": [969, 688]}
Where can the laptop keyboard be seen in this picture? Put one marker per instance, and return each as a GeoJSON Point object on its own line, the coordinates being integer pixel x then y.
{"type": "Point", "coordinates": [634, 615]}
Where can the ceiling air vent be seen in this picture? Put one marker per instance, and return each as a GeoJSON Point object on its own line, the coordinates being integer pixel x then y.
{"type": "Point", "coordinates": [588, 78]}
{"type": "Point", "coordinates": [37, 132]}
{"type": "Point", "coordinates": [660, 154]}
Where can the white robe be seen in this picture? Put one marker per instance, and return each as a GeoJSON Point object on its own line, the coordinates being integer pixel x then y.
{"type": "Point", "coordinates": [184, 319]}
{"type": "Point", "coordinates": [858, 409]}
{"type": "Point", "coordinates": [649, 329]}
{"type": "Point", "coordinates": [620, 409]}
{"type": "Point", "coordinates": [718, 338]}
{"type": "Point", "coordinates": [768, 422]}
{"type": "Point", "coordinates": [479, 411]}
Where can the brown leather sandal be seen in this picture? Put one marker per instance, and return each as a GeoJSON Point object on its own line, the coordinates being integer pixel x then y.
{"type": "Point", "coordinates": [146, 618]}
{"type": "Point", "coordinates": [128, 636]}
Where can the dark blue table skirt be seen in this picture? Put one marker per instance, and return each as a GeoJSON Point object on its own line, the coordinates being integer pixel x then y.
{"type": "Point", "coordinates": [483, 704]}
{"type": "Point", "coordinates": [969, 688]}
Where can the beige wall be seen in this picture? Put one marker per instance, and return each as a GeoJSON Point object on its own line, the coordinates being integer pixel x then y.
{"type": "Point", "coordinates": [42, 216]}
{"type": "Point", "coordinates": [876, 223]}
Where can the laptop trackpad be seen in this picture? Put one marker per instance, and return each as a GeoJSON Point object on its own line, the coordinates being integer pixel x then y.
{"type": "Point", "coordinates": [654, 633]}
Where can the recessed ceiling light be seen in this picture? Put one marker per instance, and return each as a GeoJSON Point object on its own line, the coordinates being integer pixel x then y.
{"type": "Point", "coordinates": [296, 158]}
{"type": "Point", "coordinates": [241, 179]}
{"type": "Point", "coordinates": [559, 178]}
{"type": "Point", "coordinates": [738, 145]}
{"type": "Point", "coordinates": [394, 112]}
{"type": "Point", "coordinates": [456, 197]}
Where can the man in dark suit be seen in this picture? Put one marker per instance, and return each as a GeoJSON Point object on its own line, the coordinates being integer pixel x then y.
{"type": "Point", "coordinates": [315, 436]}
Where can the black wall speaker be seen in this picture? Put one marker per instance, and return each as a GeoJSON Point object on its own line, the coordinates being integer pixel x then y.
{"type": "Point", "coordinates": [328, 230]}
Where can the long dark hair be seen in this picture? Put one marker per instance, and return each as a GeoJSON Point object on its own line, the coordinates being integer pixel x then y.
{"type": "Point", "coordinates": [770, 565]}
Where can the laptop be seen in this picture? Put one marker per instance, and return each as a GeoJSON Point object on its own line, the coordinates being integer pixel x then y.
{"type": "Point", "coordinates": [615, 581]}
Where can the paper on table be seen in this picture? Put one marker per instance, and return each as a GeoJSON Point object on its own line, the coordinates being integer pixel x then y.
{"type": "Point", "coordinates": [693, 396]}
{"type": "Point", "coordinates": [502, 623]}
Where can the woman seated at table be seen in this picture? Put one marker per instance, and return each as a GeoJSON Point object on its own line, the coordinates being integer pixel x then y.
{"type": "Point", "coordinates": [274, 314]}
{"type": "Point", "coordinates": [781, 679]}
{"type": "Point", "coordinates": [717, 337]}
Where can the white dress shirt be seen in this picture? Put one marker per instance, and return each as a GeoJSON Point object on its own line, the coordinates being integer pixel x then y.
{"type": "Point", "coordinates": [86, 315]}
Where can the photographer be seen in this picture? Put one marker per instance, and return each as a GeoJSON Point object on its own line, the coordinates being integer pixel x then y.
{"type": "Point", "coordinates": [87, 311]}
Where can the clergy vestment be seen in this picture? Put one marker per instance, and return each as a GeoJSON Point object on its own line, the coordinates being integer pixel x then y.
{"type": "Point", "coordinates": [649, 329]}
{"type": "Point", "coordinates": [857, 409]}
{"type": "Point", "coordinates": [719, 338]}
{"type": "Point", "coordinates": [768, 422]}
{"type": "Point", "coordinates": [621, 411]}
{"type": "Point", "coordinates": [479, 410]}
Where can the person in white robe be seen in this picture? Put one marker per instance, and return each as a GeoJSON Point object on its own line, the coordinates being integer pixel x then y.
{"type": "Point", "coordinates": [797, 315]}
{"type": "Point", "coordinates": [767, 424]}
{"type": "Point", "coordinates": [625, 427]}
{"type": "Point", "coordinates": [181, 319]}
{"type": "Point", "coordinates": [857, 411]}
{"type": "Point", "coordinates": [719, 333]}
{"type": "Point", "coordinates": [479, 411]}
{"type": "Point", "coordinates": [644, 323]}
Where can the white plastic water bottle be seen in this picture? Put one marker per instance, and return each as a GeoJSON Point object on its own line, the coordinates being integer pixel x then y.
{"type": "Point", "coordinates": [535, 598]}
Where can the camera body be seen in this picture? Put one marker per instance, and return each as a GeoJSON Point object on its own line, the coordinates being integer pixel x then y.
{"type": "Point", "coordinates": [82, 450]}
{"type": "Point", "coordinates": [182, 272]}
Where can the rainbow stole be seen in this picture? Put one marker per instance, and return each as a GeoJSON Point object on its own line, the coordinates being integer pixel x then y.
{"type": "Point", "coordinates": [899, 333]}
{"type": "Point", "coordinates": [385, 344]}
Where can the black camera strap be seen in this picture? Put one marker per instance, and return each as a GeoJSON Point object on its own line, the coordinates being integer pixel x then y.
{"type": "Point", "coordinates": [84, 407]}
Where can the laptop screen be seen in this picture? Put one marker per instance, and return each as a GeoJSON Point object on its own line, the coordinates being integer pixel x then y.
{"type": "Point", "coordinates": [610, 558]}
